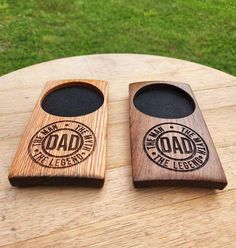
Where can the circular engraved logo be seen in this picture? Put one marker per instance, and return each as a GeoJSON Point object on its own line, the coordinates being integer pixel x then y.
{"type": "Point", "coordinates": [62, 144]}
{"type": "Point", "coordinates": [175, 147]}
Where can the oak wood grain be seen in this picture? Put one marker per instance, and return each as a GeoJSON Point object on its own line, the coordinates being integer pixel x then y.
{"type": "Point", "coordinates": [118, 215]}
{"type": "Point", "coordinates": [57, 150]}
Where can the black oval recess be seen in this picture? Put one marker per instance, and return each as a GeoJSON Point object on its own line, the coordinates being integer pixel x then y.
{"type": "Point", "coordinates": [73, 100]}
{"type": "Point", "coordinates": [164, 101]}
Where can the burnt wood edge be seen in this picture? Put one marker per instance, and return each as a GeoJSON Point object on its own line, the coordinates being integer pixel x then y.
{"type": "Point", "coordinates": [188, 183]}
{"type": "Point", "coordinates": [56, 181]}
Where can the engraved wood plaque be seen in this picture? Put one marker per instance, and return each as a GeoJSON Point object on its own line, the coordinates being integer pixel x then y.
{"type": "Point", "coordinates": [170, 142]}
{"type": "Point", "coordinates": [65, 139]}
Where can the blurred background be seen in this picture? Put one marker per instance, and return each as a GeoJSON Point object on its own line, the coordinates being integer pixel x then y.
{"type": "Point", "coordinates": [33, 31]}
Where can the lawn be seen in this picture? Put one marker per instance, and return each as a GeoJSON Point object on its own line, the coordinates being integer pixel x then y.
{"type": "Point", "coordinates": [33, 31]}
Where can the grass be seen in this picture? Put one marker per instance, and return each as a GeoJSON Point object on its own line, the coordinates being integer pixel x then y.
{"type": "Point", "coordinates": [33, 31]}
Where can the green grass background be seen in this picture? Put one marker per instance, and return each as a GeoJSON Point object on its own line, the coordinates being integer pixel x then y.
{"type": "Point", "coordinates": [32, 31]}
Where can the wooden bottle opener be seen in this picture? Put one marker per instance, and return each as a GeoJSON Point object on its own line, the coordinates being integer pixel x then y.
{"type": "Point", "coordinates": [62, 143]}
{"type": "Point", "coordinates": [170, 143]}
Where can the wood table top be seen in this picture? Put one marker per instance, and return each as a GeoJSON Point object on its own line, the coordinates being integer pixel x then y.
{"type": "Point", "coordinates": [118, 215]}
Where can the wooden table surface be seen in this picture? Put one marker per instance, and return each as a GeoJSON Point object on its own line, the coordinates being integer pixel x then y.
{"type": "Point", "coordinates": [118, 215]}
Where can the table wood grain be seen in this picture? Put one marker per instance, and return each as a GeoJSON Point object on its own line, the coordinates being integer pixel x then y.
{"type": "Point", "coordinates": [118, 215]}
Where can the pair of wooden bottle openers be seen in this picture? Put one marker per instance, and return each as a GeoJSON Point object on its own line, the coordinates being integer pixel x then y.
{"type": "Point", "coordinates": [170, 143]}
